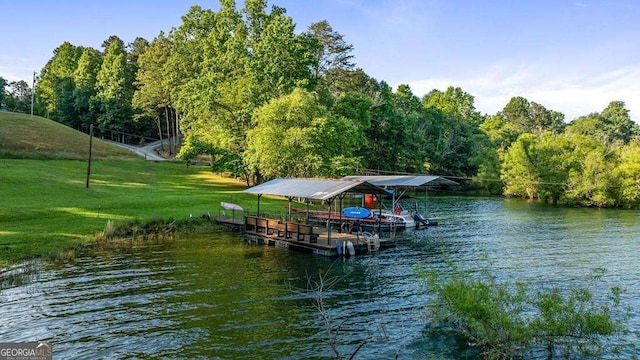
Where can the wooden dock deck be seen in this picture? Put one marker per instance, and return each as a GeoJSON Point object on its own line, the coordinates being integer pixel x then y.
{"type": "Point", "coordinates": [232, 223]}
{"type": "Point", "coordinates": [304, 237]}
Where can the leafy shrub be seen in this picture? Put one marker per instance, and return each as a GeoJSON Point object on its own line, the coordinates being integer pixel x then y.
{"type": "Point", "coordinates": [509, 321]}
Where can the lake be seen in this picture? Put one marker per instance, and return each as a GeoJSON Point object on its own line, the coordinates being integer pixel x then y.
{"type": "Point", "coordinates": [215, 297]}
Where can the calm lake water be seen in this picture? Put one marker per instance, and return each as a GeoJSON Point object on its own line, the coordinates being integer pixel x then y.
{"type": "Point", "coordinates": [214, 297]}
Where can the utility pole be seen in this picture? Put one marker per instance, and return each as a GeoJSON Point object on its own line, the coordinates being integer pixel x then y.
{"type": "Point", "coordinates": [89, 162]}
{"type": "Point", "coordinates": [33, 92]}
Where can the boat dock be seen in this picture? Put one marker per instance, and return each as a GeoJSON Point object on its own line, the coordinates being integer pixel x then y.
{"type": "Point", "coordinates": [336, 238]}
{"type": "Point", "coordinates": [308, 238]}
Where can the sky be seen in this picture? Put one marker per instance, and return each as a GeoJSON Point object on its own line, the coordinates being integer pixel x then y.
{"type": "Point", "coordinates": [571, 56]}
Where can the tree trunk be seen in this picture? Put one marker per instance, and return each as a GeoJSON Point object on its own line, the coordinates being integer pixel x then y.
{"type": "Point", "coordinates": [177, 130]}
{"type": "Point", "coordinates": [156, 119]}
{"type": "Point", "coordinates": [166, 116]}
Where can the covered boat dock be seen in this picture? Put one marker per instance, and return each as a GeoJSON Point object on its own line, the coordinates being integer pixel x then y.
{"type": "Point", "coordinates": [398, 185]}
{"type": "Point", "coordinates": [304, 236]}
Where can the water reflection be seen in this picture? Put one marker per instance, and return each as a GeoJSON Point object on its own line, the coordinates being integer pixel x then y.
{"type": "Point", "coordinates": [214, 297]}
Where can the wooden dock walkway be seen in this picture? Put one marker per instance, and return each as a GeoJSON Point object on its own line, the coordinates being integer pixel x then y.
{"type": "Point", "coordinates": [304, 237]}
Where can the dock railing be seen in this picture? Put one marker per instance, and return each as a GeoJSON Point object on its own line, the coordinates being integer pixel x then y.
{"type": "Point", "coordinates": [275, 228]}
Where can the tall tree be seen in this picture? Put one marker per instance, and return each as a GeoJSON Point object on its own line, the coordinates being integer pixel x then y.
{"type": "Point", "coordinates": [56, 85]}
{"type": "Point", "coordinates": [456, 139]}
{"type": "Point", "coordinates": [296, 136]}
{"type": "Point", "coordinates": [249, 58]}
{"type": "Point", "coordinates": [188, 49]}
{"type": "Point", "coordinates": [152, 96]}
{"type": "Point", "coordinates": [85, 86]}
{"type": "Point", "coordinates": [134, 50]}
{"type": "Point", "coordinates": [612, 125]}
{"type": "Point", "coordinates": [410, 137]}
{"type": "Point", "coordinates": [454, 102]}
{"type": "Point", "coordinates": [618, 123]}
{"type": "Point", "coordinates": [279, 60]}
{"type": "Point", "coordinates": [18, 97]}
{"type": "Point", "coordinates": [330, 50]}
{"type": "Point", "coordinates": [387, 133]}
{"type": "Point", "coordinates": [531, 117]}
{"type": "Point", "coordinates": [113, 91]}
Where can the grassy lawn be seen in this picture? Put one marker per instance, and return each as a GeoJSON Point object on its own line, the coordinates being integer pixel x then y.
{"type": "Point", "coordinates": [47, 209]}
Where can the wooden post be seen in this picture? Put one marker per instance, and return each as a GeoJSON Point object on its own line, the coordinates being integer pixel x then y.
{"type": "Point", "coordinates": [329, 223]}
{"type": "Point", "coordinates": [259, 196]}
{"type": "Point", "coordinates": [89, 162]}
{"type": "Point", "coordinates": [341, 197]}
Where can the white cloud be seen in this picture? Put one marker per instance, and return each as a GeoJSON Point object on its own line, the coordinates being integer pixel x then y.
{"type": "Point", "coordinates": [570, 94]}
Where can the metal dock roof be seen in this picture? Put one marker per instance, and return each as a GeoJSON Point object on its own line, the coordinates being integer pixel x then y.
{"type": "Point", "coordinates": [318, 189]}
{"type": "Point", "coordinates": [403, 180]}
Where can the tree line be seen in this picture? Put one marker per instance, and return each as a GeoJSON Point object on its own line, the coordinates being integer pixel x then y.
{"type": "Point", "coordinates": [264, 101]}
{"type": "Point", "coordinates": [15, 95]}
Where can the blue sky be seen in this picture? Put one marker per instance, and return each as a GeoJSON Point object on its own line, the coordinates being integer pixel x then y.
{"type": "Point", "coordinates": [570, 56]}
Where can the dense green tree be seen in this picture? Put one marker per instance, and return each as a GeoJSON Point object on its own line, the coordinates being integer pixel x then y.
{"type": "Point", "coordinates": [612, 125]}
{"type": "Point", "coordinates": [519, 172]}
{"type": "Point", "coordinates": [454, 102]}
{"type": "Point", "coordinates": [296, 136]}
{"type": "Point", "coordinates": [337, 82]}
{"type": "Point", "coordinates": [134, 50]}
{"type": "Point", "coordinates": [85, 86]}
{"type": "Point", "coordinates": [65, 112]}
{"type": "Point", "coordinates": [552, 158]}
{"type": "Point", "coordinates": [531, 117]}
{"type": "Point", "coordinates": [567, 168]}
{"type": "Point", "coordinates": [455, 133]}
{"type": "Point", "coordinates": [113, 91]}
{"type": "Point", "coordinates": [456, 147]}
{"type": "Point", "coordinates": [250, 57]}
{"type": "Point", "coordinates": [56, 85]}
{"type": "Point", "coordinates": [18, 98]}
{"type": "Point", "coordinates": [280, 59]}
{"type": "Point", "coordinates": [545, 120]}
{"type": "Point", "coordinates": [539, 166]}
{"type": "Point", "coordinates": [387, 133]}
{"type": "Point", "coordinates": [411, 153]}
{"type": "Point", "coordinates": [188, 51]}
{"type": "Point", "coordinates": [356, 107]}
{"type": "Point", "coordinates": [591, 180]}
{"type": "Point", "coordinates": [489, 170]}
{"type": "Point", "coordinates": [214, 91]}
{"type": "Point", "coordinates": [628, 173]}
{"type": "Point", "coordinates": [618, 123]}
{"type": "Point", "coordinates": [501, 132]}
{"type": "Point", "coordinates": [152, 96]}
{"type": "Point", "coordinates": [516, 112]}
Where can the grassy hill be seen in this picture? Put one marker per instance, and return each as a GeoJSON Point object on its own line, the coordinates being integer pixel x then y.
{"type": "Point", "coordinates": [38, 138]}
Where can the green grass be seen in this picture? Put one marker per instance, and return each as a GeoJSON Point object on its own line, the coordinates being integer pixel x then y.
{"type": "Point", "coordinates": [45, 208]}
